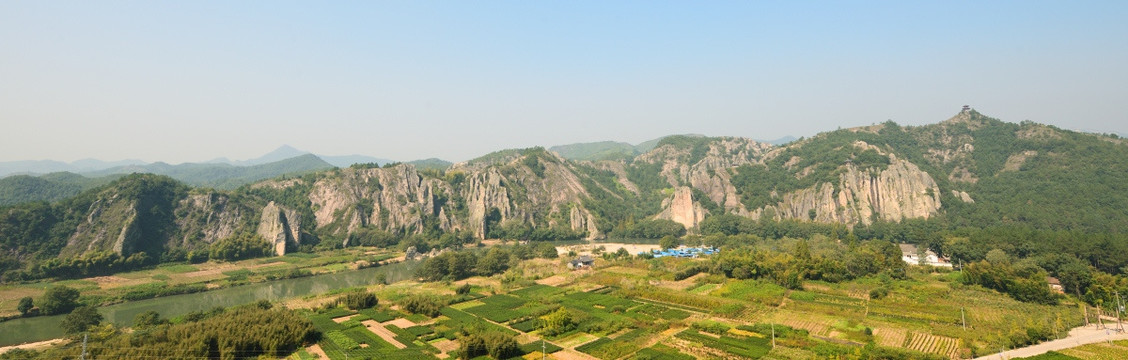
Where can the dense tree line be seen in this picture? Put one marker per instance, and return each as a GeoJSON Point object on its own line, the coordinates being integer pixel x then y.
{"type": "Point", "coordinates": [515, 229]}
{"type": "Point", "coordinates": [494, 344]}
{"type": "Point", "coordinates": [245, 332]}
{"type": "Point", "coordinates": [1024, 282]}
{"type": "Point", "coordinates": [1091, 266]}
{"type": "Point", "coordinates": [358, 300]}
{"type": "Point", "coordinates": [648, 229]}
{"type": "Point", "coordinates": [788, 262]}
{"type": "Point", "coordinates": [242, 246]}
{"type": "Point", "coordinates": [457, 265]}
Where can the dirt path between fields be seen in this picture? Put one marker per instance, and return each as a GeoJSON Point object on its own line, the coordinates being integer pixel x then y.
{"type": "Point", "coordinates": [1077, 337]}
{"type": "Point", "coordinates": [379, 330]}
{"type": "Point", "coordinates": [315, 350]}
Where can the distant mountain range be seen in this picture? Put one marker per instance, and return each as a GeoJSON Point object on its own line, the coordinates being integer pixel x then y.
{"type": "Point", "coordinates": [33, 167]}
{"type": "Point", "coordinates": [87, 166]}
{"type": "Point", "coordinates": [56, 186]}
{"type": "Point", "coordinates": [287, 152]}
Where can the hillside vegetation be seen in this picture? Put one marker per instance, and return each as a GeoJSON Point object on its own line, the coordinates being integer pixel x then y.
{"type": "Point", "coordinates": [961, 187]}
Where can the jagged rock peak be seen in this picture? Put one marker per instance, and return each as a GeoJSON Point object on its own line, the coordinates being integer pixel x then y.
{"type": "Point", "coordinates": [280, 227]}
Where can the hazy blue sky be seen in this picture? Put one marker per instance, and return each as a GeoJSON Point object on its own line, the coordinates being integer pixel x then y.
{"type": "Point", "coordinates": [193, 80]}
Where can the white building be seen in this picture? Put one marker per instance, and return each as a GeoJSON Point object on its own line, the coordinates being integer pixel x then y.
{"type": "Point", "coordinates": [911, 254]}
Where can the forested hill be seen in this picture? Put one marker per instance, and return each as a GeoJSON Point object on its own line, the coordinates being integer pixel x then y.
{"type": "Point", "coordinates": [966, 177]}
{"type": "Point", "coordinates": [57, 186]}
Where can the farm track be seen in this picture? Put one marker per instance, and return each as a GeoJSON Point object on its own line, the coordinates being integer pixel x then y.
{"type": "Point", "coordinates": [1078, 336]}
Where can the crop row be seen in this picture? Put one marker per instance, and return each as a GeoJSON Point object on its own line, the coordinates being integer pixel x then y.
{"type": "Point", "coordinates": [933, 344]}
{"type": "Point", "coordinates": [607, 349]}
{"type": "Point", "coordinates": [890, 337]}
{"type": "Point", "coordinates": [904, 314]}
{"type": "Point", "coordinates": [342, 340]}
{"type": "Point", "coordinates": [592, 299]}
{"type": "Point", "coordinates": [750, 347]}
{"type": "Point", "coordinates": [537, 291]}
{"type": "Point", "coordinates": [503, 301]}
{"type": "Point", "coordinates": [811, 326]}
{"type": "Point", "coordinates": [494, 313]}
{"type": "Point", "coordinates": [661, 312]}
{"type": "Point", "coordinates": [459, 317]}
{"type": "Point", "coordinates": [662, 352]}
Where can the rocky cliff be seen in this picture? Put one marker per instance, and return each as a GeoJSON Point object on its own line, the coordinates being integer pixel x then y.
{"type": "Point", "coordinates": [965, 166]}
{"type": "Point", "coordinates": [899, 192]}
{"type": "Point", "coordinates": [280, 227]}
{"type": "Point", "coordinates": [391, 199]}
{"type": "Point", "coordinates": [682, 209]}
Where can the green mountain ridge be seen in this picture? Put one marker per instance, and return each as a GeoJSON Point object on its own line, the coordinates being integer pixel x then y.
{"type": "Point", "coordinates": [887, 181]}
{"type": "Point", "coordinates": [225, 176]}
{"type": "Point", "coordinates": [603, 150]}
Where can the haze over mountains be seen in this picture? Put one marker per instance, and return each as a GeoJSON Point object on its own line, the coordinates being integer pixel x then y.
{"type": "Point", "coordinates": [50, 180]}
{"type": "Point", "coordinates": [35, 167]}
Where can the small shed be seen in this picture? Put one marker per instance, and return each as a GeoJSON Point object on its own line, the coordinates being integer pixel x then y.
{"type": "Point", "coordinates": [584, 261]}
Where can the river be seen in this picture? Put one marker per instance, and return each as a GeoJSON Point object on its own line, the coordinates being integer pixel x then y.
{"type": "Point", "coordinates": [39, 328]}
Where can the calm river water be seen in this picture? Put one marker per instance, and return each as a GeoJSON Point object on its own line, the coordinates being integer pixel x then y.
{"type": "Point", "coordinates": [41, 328]}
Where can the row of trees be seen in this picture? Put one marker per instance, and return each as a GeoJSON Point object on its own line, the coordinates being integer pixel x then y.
{"type": "Point", "coordinates": [456, 265]}
{"type": "Point", "coordinates": [788, 262]}
{"type": "Point", "coordinates": [56, 300]}
{"type": "Point", "coordinates": [250, 331]}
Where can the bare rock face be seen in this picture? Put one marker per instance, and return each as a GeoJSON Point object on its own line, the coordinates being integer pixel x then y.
{"type": "Point", "coordinates": [389, 198]}
{"type": "Point", "coordinates": [682, 209]}
{"type": "Point", "coordinates": [963, 196]}
{"type": "Point", "coordinates": [207, 218]}
{"type": "Point", "coordinates": [484, 193]}
{"type": "Point", "coordinates": [1015, 161]}
{"type": "Point", "coordinates": [110, 226]}
{"type": "Point", "coordinates": [711, 173]}
{"type": "Point", "coordinates": [129, 233]}
{"type": "Point", "coordinates": [280, 226]}
{"type": "Point", "coordinates": [554, 195]}
{"type": "Point", "coordinates": [899, 192]}
{"type": "Point", "coordinates": [581, 219]}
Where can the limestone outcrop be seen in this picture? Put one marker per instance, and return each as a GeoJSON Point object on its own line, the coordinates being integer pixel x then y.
{"type": "Point", "coordinates": [682, 209]}
{"type": "Point", "coordinates": [899, 192]}
{"type": "Point", "coordinates": [712, 173]}
{"type": "Point", "coordinates": [390, 199]}
{"type": "Point", "coordinates": [207, 218]}
{"type": "Point", "coordinates": [280, 227]}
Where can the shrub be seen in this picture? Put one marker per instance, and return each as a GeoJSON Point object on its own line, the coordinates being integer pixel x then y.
{"type": "Point", "coordinates": [879, 293]}
{"type": "Point", "coordinates": [359, 300]}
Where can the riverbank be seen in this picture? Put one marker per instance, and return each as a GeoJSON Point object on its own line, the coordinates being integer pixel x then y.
{"type": "Point", "coordinates": [167, 279]}
{"type": "Point", "coordinates": [1090, 334]}
{"type": "Point", "coordinates": [33, 329]}
{"type": "Point", "coordinates": [581, 249]}
{"type": "Point", "coordinates": [39, 345]}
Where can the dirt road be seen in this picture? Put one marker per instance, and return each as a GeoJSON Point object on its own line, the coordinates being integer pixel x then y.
{"type": "Point", "coordinates": [1077, 337]}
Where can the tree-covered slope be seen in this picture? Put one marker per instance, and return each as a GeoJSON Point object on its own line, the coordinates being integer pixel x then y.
{"type": "Point", "coordinates": [968, 171]}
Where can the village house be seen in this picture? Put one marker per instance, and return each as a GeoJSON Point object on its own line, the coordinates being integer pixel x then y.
{"type": "Point", "coordinates": [582, 262]}
{"type": "Point", "coordinates": [912, 255]}
{"type": "Point", "coordinates": [1055, 284]}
